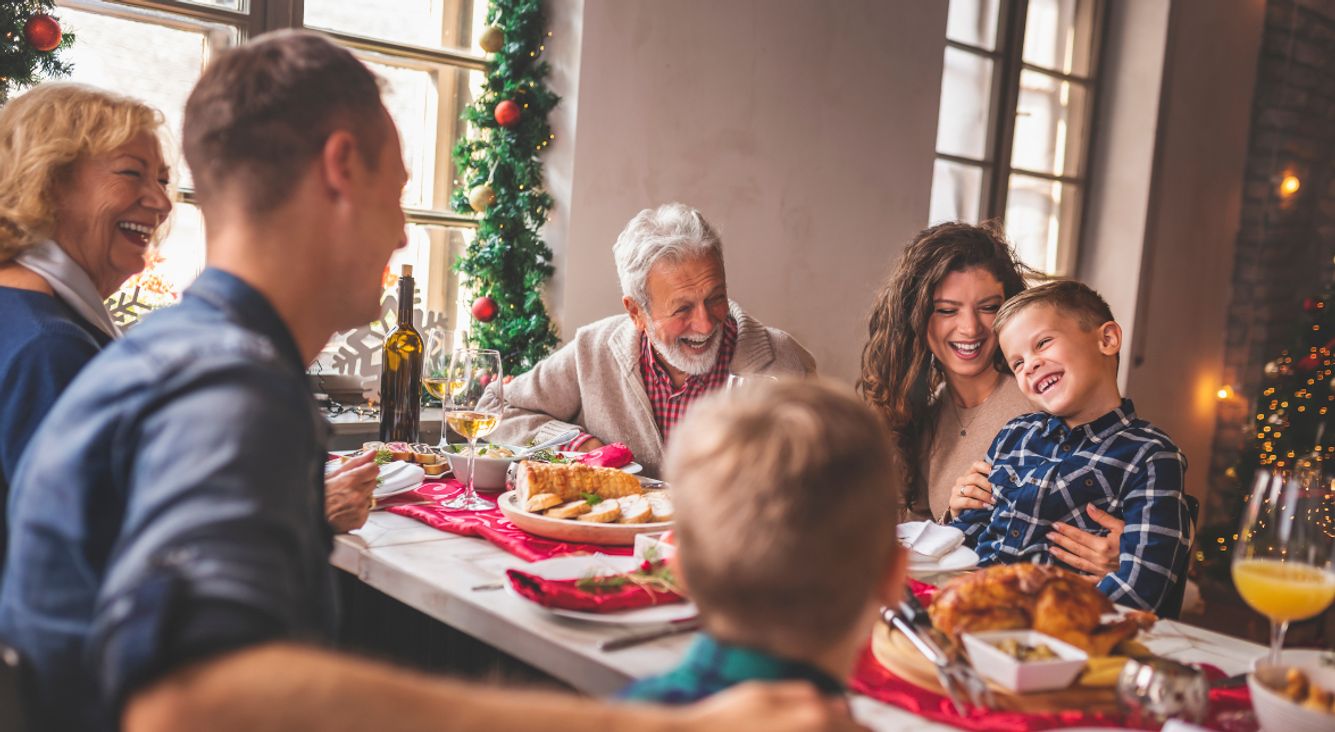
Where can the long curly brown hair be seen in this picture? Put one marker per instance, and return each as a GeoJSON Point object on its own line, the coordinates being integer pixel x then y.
{"type": "Point", "coordinates": [899, 377]}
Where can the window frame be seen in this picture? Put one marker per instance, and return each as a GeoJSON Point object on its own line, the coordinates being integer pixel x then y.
{"type": "Point", "coordinates": [1007, 65]}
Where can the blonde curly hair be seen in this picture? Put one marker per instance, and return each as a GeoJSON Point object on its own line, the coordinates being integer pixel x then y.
{"type": "Point", "coordinates": [42, 134]}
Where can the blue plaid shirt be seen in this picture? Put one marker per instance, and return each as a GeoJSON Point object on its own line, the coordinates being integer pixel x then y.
{"type": "Point", "coordinates": [1044, 472]}
{"type": "Point", "coordinates": [711, 667]}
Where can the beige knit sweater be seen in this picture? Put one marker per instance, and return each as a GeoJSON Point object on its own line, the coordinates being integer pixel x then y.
{"type": "Point", "coordinates": [593, 383]}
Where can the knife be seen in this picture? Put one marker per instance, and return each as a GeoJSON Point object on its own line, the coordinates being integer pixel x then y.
{"type": "Point", "coordinates": [685, 625]}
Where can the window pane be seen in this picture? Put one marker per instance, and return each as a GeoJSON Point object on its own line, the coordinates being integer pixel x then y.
{"type": "Point", "coordinates": [973, 22]}
{"type": "Point", "coordinates": [152, 62]}
{"type": "Point", "coordinates": [1058, 35]}
{"type": "Point", "coordinates": [966, 90]}
{"type": "Point", "coordinates": [1049, 125]}
{"type": "Point", "coordinates": [1042, 219]}
{"type": "Point", "coordinates": [240, 5]}
{"type": "Point", "coordinates": [957, 192]}
{"type": "Point", "coordinates": [429, 23]}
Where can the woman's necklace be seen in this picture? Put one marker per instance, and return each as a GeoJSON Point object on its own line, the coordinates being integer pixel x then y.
{"type": "Point", "coordinates": [955, 407]}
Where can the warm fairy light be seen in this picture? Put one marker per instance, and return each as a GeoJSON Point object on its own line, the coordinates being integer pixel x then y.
{"type": "Point", "coordinates": [1290, 185]}
{"type": "Point", "coordinates": [1225, 392]}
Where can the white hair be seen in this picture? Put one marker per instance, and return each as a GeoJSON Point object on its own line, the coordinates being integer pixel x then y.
{"type": "Point", "coordinates": [673, 232]}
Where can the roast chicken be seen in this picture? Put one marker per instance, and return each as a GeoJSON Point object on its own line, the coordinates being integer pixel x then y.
{"type": "Point", "coordinates": [1050, 600]}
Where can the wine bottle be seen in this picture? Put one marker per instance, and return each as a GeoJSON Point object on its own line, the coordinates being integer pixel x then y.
{"type": "Point", "coordinates": [401, 371]}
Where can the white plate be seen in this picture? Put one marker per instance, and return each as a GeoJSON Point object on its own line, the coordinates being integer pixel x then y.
{"type": "Point", "coordinates": [631, 468]}
{"type": "Point", "coordinates": [566, 568]}
{"type": "Point", "coordinates": [387, 470]}
{"type": "Point", "coordinates": [958, 560]}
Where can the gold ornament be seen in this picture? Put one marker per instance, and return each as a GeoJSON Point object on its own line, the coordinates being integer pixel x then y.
{"type": "Point", "coordinates": [492, 39]}
{"type": "Point", "coordinates": [481, 197]}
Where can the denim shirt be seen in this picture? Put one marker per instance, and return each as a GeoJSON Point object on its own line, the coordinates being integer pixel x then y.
{"type": "Point", "coordinates": [170, 507]}
{"type": "Point", "coordinates": [1045, 472]}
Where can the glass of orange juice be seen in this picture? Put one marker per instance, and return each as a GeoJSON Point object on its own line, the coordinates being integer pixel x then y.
{"type": "Point", "coordinates": [1284, 563]}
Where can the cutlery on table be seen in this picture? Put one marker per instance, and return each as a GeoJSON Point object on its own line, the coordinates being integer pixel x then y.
{"type": "Point", "coordinates": [959, 680]}
{"type": "Point", "coordinates": [676, 627]}
{"type": "Point", "coordinates": [560, 439]}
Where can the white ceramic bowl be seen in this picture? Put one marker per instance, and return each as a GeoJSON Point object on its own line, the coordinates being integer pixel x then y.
{"type": "Point", "coordinates": [1026, 676]}
{"type": "Point", "coordinates": [490, 470]}
{"type": "Point", "coordinates": [1275, 712]}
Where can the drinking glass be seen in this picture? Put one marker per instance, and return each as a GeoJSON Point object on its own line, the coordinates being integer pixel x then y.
{"type": "Point", "coordinates": [737, 381]}
{"type": "Point", "coordinates": [1284, 562]}
{"type": "Point", "coordinates": [473, 373]}
{"type": "Point", "coordinates": [435, 367]}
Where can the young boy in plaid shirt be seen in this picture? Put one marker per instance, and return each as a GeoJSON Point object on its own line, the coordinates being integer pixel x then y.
{"type": "Point", "coordinates": [784, 494]}
{"type": "Point", "coordinates": [1086, 447]}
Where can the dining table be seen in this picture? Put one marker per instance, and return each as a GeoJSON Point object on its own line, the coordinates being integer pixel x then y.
{"type": "Point", "coordinates": [458, 580]}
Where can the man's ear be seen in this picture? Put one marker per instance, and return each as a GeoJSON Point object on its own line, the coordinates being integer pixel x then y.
{"type": "Point", "coordinates": [891, 589]}
{"type": "Point", "coordinates": [1110, 338]}
{"type": "Point", "coordinates": [338, 162]}
{"type": "Point", "coordinates": [636, 312]}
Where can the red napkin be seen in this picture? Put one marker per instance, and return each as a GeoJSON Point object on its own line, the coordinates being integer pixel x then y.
{"type": "Point", "coordinates": [565, 595]}
{"type": "Point", "coordinates": [615, 455]}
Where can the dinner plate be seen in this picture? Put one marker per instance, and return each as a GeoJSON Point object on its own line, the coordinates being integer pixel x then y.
{"type": "Point", "coordinates": [960, 559]}
{"type": "Point", "coordinates": [387, 471]}
{"type": "Point", "coordinates": [585, 532]}
{"type": "Point", "coordinates": [631, 467]}
{"type": "Point", "coordinates": [568, 568]}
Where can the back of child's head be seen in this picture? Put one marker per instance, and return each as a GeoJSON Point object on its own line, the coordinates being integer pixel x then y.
{"type": "Point", "coordinates": [785, 503]}
{"type": "Point", "coordinates": [1071, 298]}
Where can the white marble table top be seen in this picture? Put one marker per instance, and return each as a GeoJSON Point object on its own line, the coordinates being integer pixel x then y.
{"type": "Point", "coordinates": [440, 575]}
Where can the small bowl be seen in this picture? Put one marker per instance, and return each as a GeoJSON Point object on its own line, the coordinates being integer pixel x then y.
{"type": "Point", "coordinates": [1275, 712]}
{"type": "Point", "coordinates": [1025, 676]}
{"type": "Point", "coordinates": [491, 471]}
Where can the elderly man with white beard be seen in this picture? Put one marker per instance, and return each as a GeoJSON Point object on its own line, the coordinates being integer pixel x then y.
{"type": "Point", "coordinates": [630, 378]}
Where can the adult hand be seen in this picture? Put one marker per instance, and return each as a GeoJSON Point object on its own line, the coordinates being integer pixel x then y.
{"type": "Point", "coordinates": [1096, 556]}
{"type": "Point", "coordinates": [347, 492]}
{"type": "Point", "coordinates": [589, 445]}
{"type": "Point", "coordinates": [972, 490]}
{"type": "Point", "coordinates": [775, 707]}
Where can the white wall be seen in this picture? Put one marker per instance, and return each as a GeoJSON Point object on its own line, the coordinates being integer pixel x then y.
{"type": "Point", "coordinates": [803, 129]}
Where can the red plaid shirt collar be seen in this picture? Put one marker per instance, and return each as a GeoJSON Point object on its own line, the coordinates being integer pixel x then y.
{"type": "Point", "coordinates": [670, 403]}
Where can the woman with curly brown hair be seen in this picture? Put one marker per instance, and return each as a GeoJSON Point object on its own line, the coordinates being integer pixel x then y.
{"type": "Point", "coordinates": [933, 369]}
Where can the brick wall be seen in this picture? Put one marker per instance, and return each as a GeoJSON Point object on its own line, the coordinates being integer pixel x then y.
{"type": "Point", "coordinates": [1285, 246]}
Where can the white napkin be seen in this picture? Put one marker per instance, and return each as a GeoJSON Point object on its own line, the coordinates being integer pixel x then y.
{"type": "Point", "coordinates": [929, 539]}
{"type": "Point", "coordinates": [397, 477]}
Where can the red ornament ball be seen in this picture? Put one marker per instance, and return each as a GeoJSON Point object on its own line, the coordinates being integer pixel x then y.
{"type": "Point", "coordinates": [1309, 304]}
{"type": "Point", "coordinates": [507, 114]}
{"type": "Point", "coordinates": [42, 32]}
{"type": "Point", "coordinates": [484, 309]}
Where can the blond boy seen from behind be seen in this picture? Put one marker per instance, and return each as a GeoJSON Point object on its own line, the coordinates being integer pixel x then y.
{"type": "Point", "coordinates": [784, 493]}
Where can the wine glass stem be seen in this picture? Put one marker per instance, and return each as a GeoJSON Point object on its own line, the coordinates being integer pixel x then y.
{"type": "Point", "coordinates": [1277, 631]}
{"type": "Point", "coordinates": [472, 466]}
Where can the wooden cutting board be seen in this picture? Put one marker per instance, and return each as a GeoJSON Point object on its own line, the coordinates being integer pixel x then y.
{"type": "Point", "coordinates": [897, 653]}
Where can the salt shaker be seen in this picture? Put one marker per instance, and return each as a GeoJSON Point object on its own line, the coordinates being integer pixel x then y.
{"type": "Point", "coordinates": [1152, 691]}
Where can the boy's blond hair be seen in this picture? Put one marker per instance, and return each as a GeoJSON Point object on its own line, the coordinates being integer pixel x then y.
{"type": "Point", "coordinates": [785, 500]}
{"type": "Point", "coordinates": [1069, 297]}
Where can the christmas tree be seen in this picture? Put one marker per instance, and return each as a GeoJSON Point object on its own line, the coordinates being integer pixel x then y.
{"type": "Point", "coordinates": [1289, 425]}
{"type": "Point", "coordinates": [29, 39]}
{"type": "Point", "coordinates": [501, 179]}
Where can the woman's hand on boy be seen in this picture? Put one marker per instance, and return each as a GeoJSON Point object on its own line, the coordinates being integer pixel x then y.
{"type": "Point", "coordinates": [972, 490]}
{"type": "Point", "coordinates": [1096, 556]}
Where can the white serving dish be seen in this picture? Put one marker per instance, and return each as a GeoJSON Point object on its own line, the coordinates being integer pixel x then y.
{"type": "Point", "coordinates": [1026, 676]}
{"type": "Point", "coordinates": [1275, 712]}
{"type": "Point", "coordinates": [571, 529]}
{"type": "Point", "coordinates": [490, 470]}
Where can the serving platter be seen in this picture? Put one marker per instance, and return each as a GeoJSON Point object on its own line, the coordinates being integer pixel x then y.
{"type": "Point", "coordinates": [585, 532]}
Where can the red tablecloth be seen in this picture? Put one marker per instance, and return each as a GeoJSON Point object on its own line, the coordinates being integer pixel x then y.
{"type": "Point", "coordinates": [489, 524]}
{"type": "Point", "coordinates": [872, 679]}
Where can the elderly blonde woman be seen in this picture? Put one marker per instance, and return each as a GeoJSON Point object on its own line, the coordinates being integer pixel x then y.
{"type": "Point", "coordinates": [629, 378]}
{"type": "Point", "coordinates": [83, 196]}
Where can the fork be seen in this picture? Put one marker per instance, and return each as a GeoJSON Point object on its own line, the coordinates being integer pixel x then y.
{"type": "Point", "coordinates": [958, 679]}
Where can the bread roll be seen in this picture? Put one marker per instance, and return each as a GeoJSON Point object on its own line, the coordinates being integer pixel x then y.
{"type": "Point", "coordinates": [570, 481]}
{"type": "Point", "coordinates": [569, 510]}
{"type": "Point", "coordinates": [605, 512]}
{"type": "Point", "coordinates": [634, 510]}
{"type": "Point", "coordinates": [541, 502]}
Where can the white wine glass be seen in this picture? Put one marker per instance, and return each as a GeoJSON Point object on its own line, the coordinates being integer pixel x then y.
{"type": "Point", "coordinates": [1284, 562]}
{"type": "Point", "coordinates": [435, 369]}
{"type": "Point", "coordinates": [475, 383]}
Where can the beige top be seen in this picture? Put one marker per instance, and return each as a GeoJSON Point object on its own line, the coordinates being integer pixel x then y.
{"type": "Point", "coordinates": [951, 453]}
{"type": "Point", "coordinates": [594, 383]}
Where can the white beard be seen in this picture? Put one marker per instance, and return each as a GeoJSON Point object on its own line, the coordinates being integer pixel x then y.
{"type": "Point", "coordinates": [682, 360]}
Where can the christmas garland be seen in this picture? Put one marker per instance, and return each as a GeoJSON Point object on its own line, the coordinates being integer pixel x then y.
{"type": "Point", "coordinates": [500, 177]}
{"type": "Point", "coordinates": [29, 39]}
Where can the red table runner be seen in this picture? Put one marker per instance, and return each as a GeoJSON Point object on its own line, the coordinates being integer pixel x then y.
{"type": "Point", "coordinates": [872, 679]}
{"type": "Point", "coordinates": [490, 524]}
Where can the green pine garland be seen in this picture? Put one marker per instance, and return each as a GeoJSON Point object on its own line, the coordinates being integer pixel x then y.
{"type": "Point", "coordinates": [508, 261]}
{"type": "Point", "coordinates": [22, 65]}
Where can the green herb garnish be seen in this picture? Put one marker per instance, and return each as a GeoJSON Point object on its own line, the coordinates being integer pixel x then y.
{"type": "Point", "coordinates": [383, 456]}
{"type": "Point", "coordinates": [593, 499]}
